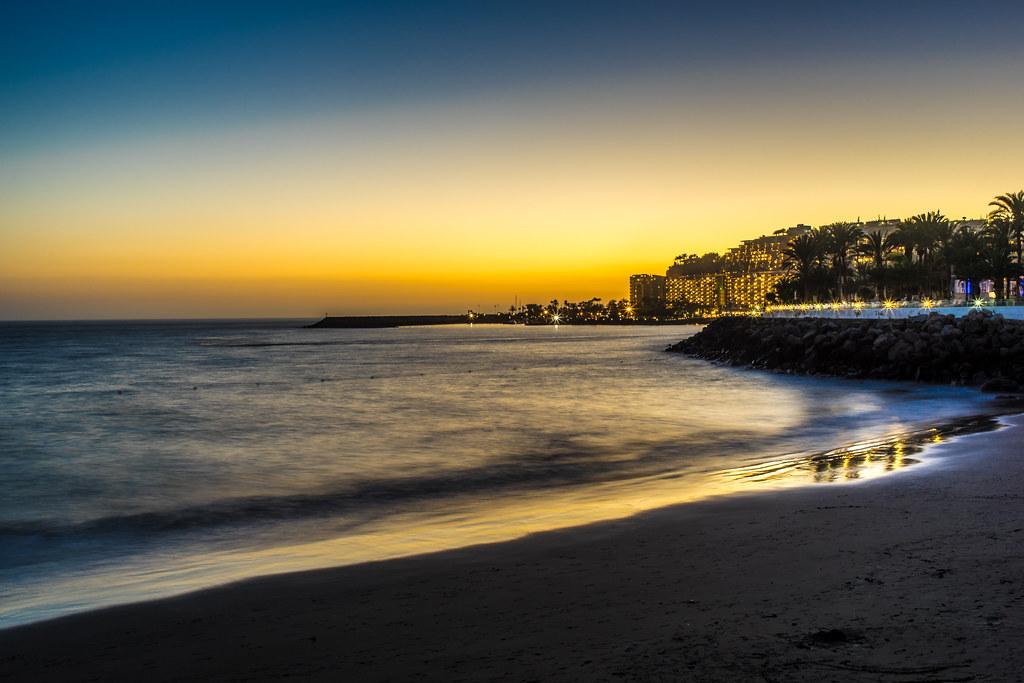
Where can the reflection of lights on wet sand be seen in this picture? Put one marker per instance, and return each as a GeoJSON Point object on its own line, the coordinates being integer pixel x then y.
{"type": "Point", "coordinates": [897, 454]}
{"type": "Point", "coordinates": [861, 460]}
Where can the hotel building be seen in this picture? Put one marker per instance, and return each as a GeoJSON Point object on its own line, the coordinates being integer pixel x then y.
{"type": "Point", "coordinates": [646, 290]}
{"type": "Point", "coordinates": [741, 280]}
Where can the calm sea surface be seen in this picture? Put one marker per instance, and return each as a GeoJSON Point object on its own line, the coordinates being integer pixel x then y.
{"type": "Point", "coordinates": [143, 459]}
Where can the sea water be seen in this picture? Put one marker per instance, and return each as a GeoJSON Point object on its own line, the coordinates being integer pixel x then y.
{"type": "Point", "coordinates": [144, 459]}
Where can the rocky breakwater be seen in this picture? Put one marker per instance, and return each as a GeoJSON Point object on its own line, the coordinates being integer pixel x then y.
{"type": "Point", "coordinates": [979, 349]}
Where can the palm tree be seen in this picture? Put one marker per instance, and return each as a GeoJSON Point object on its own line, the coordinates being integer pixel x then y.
{"type": "Point", "coordinates": [842, 239]}
{"type": "Point", "coordinates": [967, 259]}
{"type": "Point", "coordinates": [877, 248]}
{"type": "Point", "coordinates": [932, 229]}
{"type": "Point", "coordinates": [1010, 207]}
{"type": "Point", "coordinates": [943, 234]}
{"type": "Point", "coordinates": [919, 236]}
{"type": "Point", "coordinates": [906, 238]}
{"type": "Point", "coordinates": [915, 235]}
{"type": "Point", "coordinates": [802, 255]}
{"type": "Point", "coordinates": [996, 251]}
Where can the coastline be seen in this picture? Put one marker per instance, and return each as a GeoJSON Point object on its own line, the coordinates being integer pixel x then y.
{"type": "Point", "coordinates": [357, 322]}
{"type": "Point", "coordinates": [797, 584]}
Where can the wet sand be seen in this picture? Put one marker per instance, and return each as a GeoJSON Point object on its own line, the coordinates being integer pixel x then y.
{"type": "Point", "coordinates": [914, 577]}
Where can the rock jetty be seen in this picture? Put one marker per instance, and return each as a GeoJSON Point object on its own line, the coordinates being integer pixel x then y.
{"type": "Point", "coordinates": [376, 321]}
{"type": "Point", "coordinates": [979, 349]}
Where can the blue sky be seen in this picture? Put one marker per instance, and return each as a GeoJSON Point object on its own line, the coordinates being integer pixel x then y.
{"type": "Point", "coordinates": [183, 159]}
{"type": "Point", "coordinates": [80, 69]}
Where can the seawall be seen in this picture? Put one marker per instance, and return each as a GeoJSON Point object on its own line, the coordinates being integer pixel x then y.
{"type": "Point", "coordinates": [901, 312]}
{"type": "Point", "coordinates": [371, 321]}
{"type": "Point", "coordinates": [979, 349]}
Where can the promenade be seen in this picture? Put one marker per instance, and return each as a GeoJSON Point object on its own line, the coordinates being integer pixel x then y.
{"type": "Point", "coordinates": [880, 312]}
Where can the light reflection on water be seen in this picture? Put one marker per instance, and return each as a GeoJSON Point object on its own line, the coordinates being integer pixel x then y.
{"type": "Point", "coordinates": [857, 461]}
{"type": "Point", "coordinates": [148, 459]}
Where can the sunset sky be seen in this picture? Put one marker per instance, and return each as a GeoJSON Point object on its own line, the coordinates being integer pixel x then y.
{"type": "Point", "coordinates": [287, 159]}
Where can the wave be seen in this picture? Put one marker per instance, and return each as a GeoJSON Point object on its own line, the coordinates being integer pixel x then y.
{"type": "Point", "coordinates": [242, 342]}
{"type": "Point", "coordinates": [562, 463]}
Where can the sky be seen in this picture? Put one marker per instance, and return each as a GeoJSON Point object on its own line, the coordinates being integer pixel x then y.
{"type": "Point", "coordinates": [181, 159]}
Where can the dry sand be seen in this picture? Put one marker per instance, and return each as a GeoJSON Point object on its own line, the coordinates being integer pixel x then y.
{"type": "Point", "coordinates": [914, 577]}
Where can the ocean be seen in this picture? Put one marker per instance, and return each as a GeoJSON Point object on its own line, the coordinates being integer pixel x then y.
{"type": "Point", "coordinates": [144, 459]}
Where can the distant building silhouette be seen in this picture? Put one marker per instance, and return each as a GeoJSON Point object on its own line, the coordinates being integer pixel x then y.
{"type": "Point", "coordinates": [886, 226]}
{"type": "Point", "coordinates": [647, 294]}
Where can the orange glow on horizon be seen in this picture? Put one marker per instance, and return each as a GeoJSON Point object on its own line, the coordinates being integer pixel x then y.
{"type": "Point", "coordinates": [470, 202]}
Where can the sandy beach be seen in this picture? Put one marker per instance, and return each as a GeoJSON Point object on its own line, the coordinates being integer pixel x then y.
{"type": "Point", "coordinates": [914, 577]}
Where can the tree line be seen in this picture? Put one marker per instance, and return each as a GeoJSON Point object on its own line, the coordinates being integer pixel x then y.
{"type": "Point", "coordinates": [565, 312]}
{"type": "Point", "coordinates": [920, 259]}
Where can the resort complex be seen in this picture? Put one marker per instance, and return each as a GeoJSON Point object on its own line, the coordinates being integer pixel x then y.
{"type": "Point", "coordinates": [925, 258]}
{"type": "Point", "coordinates": [924, 262]}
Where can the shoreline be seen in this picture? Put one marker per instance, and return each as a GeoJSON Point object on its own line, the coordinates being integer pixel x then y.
{"type": "Point", "coordinates": [619, 602]}
{"type": "Point", "coordinates": [867, 457]}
